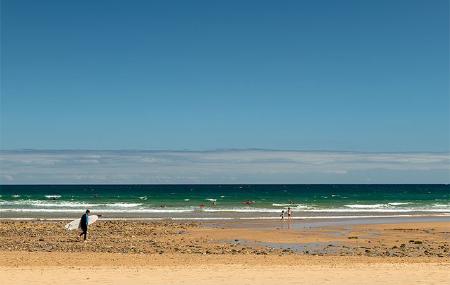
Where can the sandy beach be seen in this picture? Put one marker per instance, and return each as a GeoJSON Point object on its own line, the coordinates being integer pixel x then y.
{"type": "Point", "coordinates": [107, 268]}
{"type": "Point", "coordinates": [225, 252]}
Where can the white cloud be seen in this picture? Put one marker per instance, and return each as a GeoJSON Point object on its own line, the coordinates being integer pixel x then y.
{"type": "Point", "coordinates": [222, 166]}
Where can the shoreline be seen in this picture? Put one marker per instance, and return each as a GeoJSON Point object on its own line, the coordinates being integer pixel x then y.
{"type": "Point", "coordinates": [369, 219]}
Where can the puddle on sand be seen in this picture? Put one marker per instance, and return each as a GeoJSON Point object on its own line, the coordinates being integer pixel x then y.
{"type": "Point", "coordinates": [340, 232]}
{"type": "Point", "coordinates": [308, 247]}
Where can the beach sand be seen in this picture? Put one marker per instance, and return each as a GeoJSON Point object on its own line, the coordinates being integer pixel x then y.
{"type": "Point", "coordinates": [227, 252]}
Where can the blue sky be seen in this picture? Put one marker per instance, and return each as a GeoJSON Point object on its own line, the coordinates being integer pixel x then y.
{"type": "Point", "coordinates": [334, 75]}
{"type": "Point", "coordinates": [359, 76]}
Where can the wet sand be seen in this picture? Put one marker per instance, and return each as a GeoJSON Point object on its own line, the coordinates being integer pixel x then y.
{"type": "Point", "coordinates": [232, 237]}
{"type": "Point", "coordinates": [263, 252]}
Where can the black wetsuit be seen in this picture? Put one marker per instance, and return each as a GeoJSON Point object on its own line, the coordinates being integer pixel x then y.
{"type": "Point", "coordinates": [84, 225]}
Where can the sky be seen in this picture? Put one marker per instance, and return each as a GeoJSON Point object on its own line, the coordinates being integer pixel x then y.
{"type": "Point", "coordinates": [339, 76]}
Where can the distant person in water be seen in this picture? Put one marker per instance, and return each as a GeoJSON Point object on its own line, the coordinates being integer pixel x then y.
{"type": "Point", "coordinates": [282, 215]}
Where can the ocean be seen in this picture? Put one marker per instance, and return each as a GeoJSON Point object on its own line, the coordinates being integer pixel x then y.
{"type": "Point", "coordinates": [203, 202]}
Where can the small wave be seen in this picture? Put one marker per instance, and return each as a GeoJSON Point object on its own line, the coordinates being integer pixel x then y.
{"type": "Point", "coordinates": [301, 207]}
{"type": "Point", "coordinates": [66, 204]}
{"type": "Point", "coordinates": [384, 210]}
{"type": "Point", "coordinates": [238, 218]}
{"type": "Point", "coordinates": [15, 196]}
{"type": "Point", "coordinates": [243, 210]}
{"type": "Point", "coordinates": [143, 198]}
{"type": "Point", "coordinates": [40, 203]}
{"type": "Point", "coordinates": [292, 206]}
{"type": "Point", "coordinates": [52, 196]}
{"type": "Point", "coordinates": [283, 205]}
{"type": "Point", "coordinates": [99, 210]}
{"type": "Point", "coordinates": [124, 205]}
{"type": "Point", "coordinates": [212, 200]}
{"type": "Point", "coordinates": [187, 200]}
{"type": "Point", "coordinates": [441, 206]}
{"type": "Point", "coordinates": [336, 210]}
{"type": "Point", "coordinates": [399, 203]}
{"type": "Point", "coordinates": [361, 206]}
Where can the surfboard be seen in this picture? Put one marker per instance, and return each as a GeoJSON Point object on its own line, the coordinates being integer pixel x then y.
{"type": "Point", "coordinates": [75, 224]}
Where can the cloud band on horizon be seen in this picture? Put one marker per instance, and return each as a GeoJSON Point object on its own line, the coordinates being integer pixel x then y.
{"type": "Point", "coordinates": [220, 166]}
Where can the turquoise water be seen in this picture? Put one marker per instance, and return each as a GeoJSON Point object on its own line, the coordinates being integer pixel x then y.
{"type": "Point", "coordinates": [223, 201]}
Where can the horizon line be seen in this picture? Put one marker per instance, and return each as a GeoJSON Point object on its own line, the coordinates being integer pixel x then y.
{"type": "Point", "coordinates": [223, 150]}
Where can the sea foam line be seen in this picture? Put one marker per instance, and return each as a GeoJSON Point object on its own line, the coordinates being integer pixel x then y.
{"type": "Point", "coordinates": [231, 218]}
{"type": "Point", "coordinates": [67, 204]}
{"type": "Point", "coordinates": [98, 210]}
{"type": "Point", "coordinates": [234, 210]}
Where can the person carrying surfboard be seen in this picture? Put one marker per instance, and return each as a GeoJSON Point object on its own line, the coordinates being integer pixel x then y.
{"type": "Point", "coordinates": [84, 222]}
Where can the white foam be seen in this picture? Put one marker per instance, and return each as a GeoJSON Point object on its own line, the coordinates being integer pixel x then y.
{"type": "Point", "coordinates": [99, 210]}
{"type": "Point", "coordinates": [301, 207]}
{"type": "Point", "coordinates": [399, 203]}
{"type": "Point", "coordinates": [362, 206]}
{"type": "Point", "coordinates": [336, 210]}
{"type": "Point", "coordinates": [124, 205]}
{"type": "Point", "coordinates": [283, 205]}
{"type": "Point", "coordinates": [441, 206]}
{"type": "Point", "coordinates": [52, 196]}
{"type": "Point", "coordinates": [212, 200]}
{"type": "Point", "coordinates": [40, 203]}
{"type": "Point", "coordinates": [65, 204]}
{"type": "Point", "coordinates": [304, 218]}
{"type": "Point", "coordinates": [406, 210]}
{"type": "Point", "coordinates": [292, 206]}
{"type": "Point", "coordinates": [243, 210]}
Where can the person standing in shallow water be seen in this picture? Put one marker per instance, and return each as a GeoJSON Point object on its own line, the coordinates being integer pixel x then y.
{"type": "Point", "coordinates": [289, 213]}
{"type": "Point", "coordinates": [84, 222]}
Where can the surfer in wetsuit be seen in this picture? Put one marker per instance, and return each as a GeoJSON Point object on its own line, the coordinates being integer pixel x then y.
{"type": "Point", "coordinates": [84, 224]}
